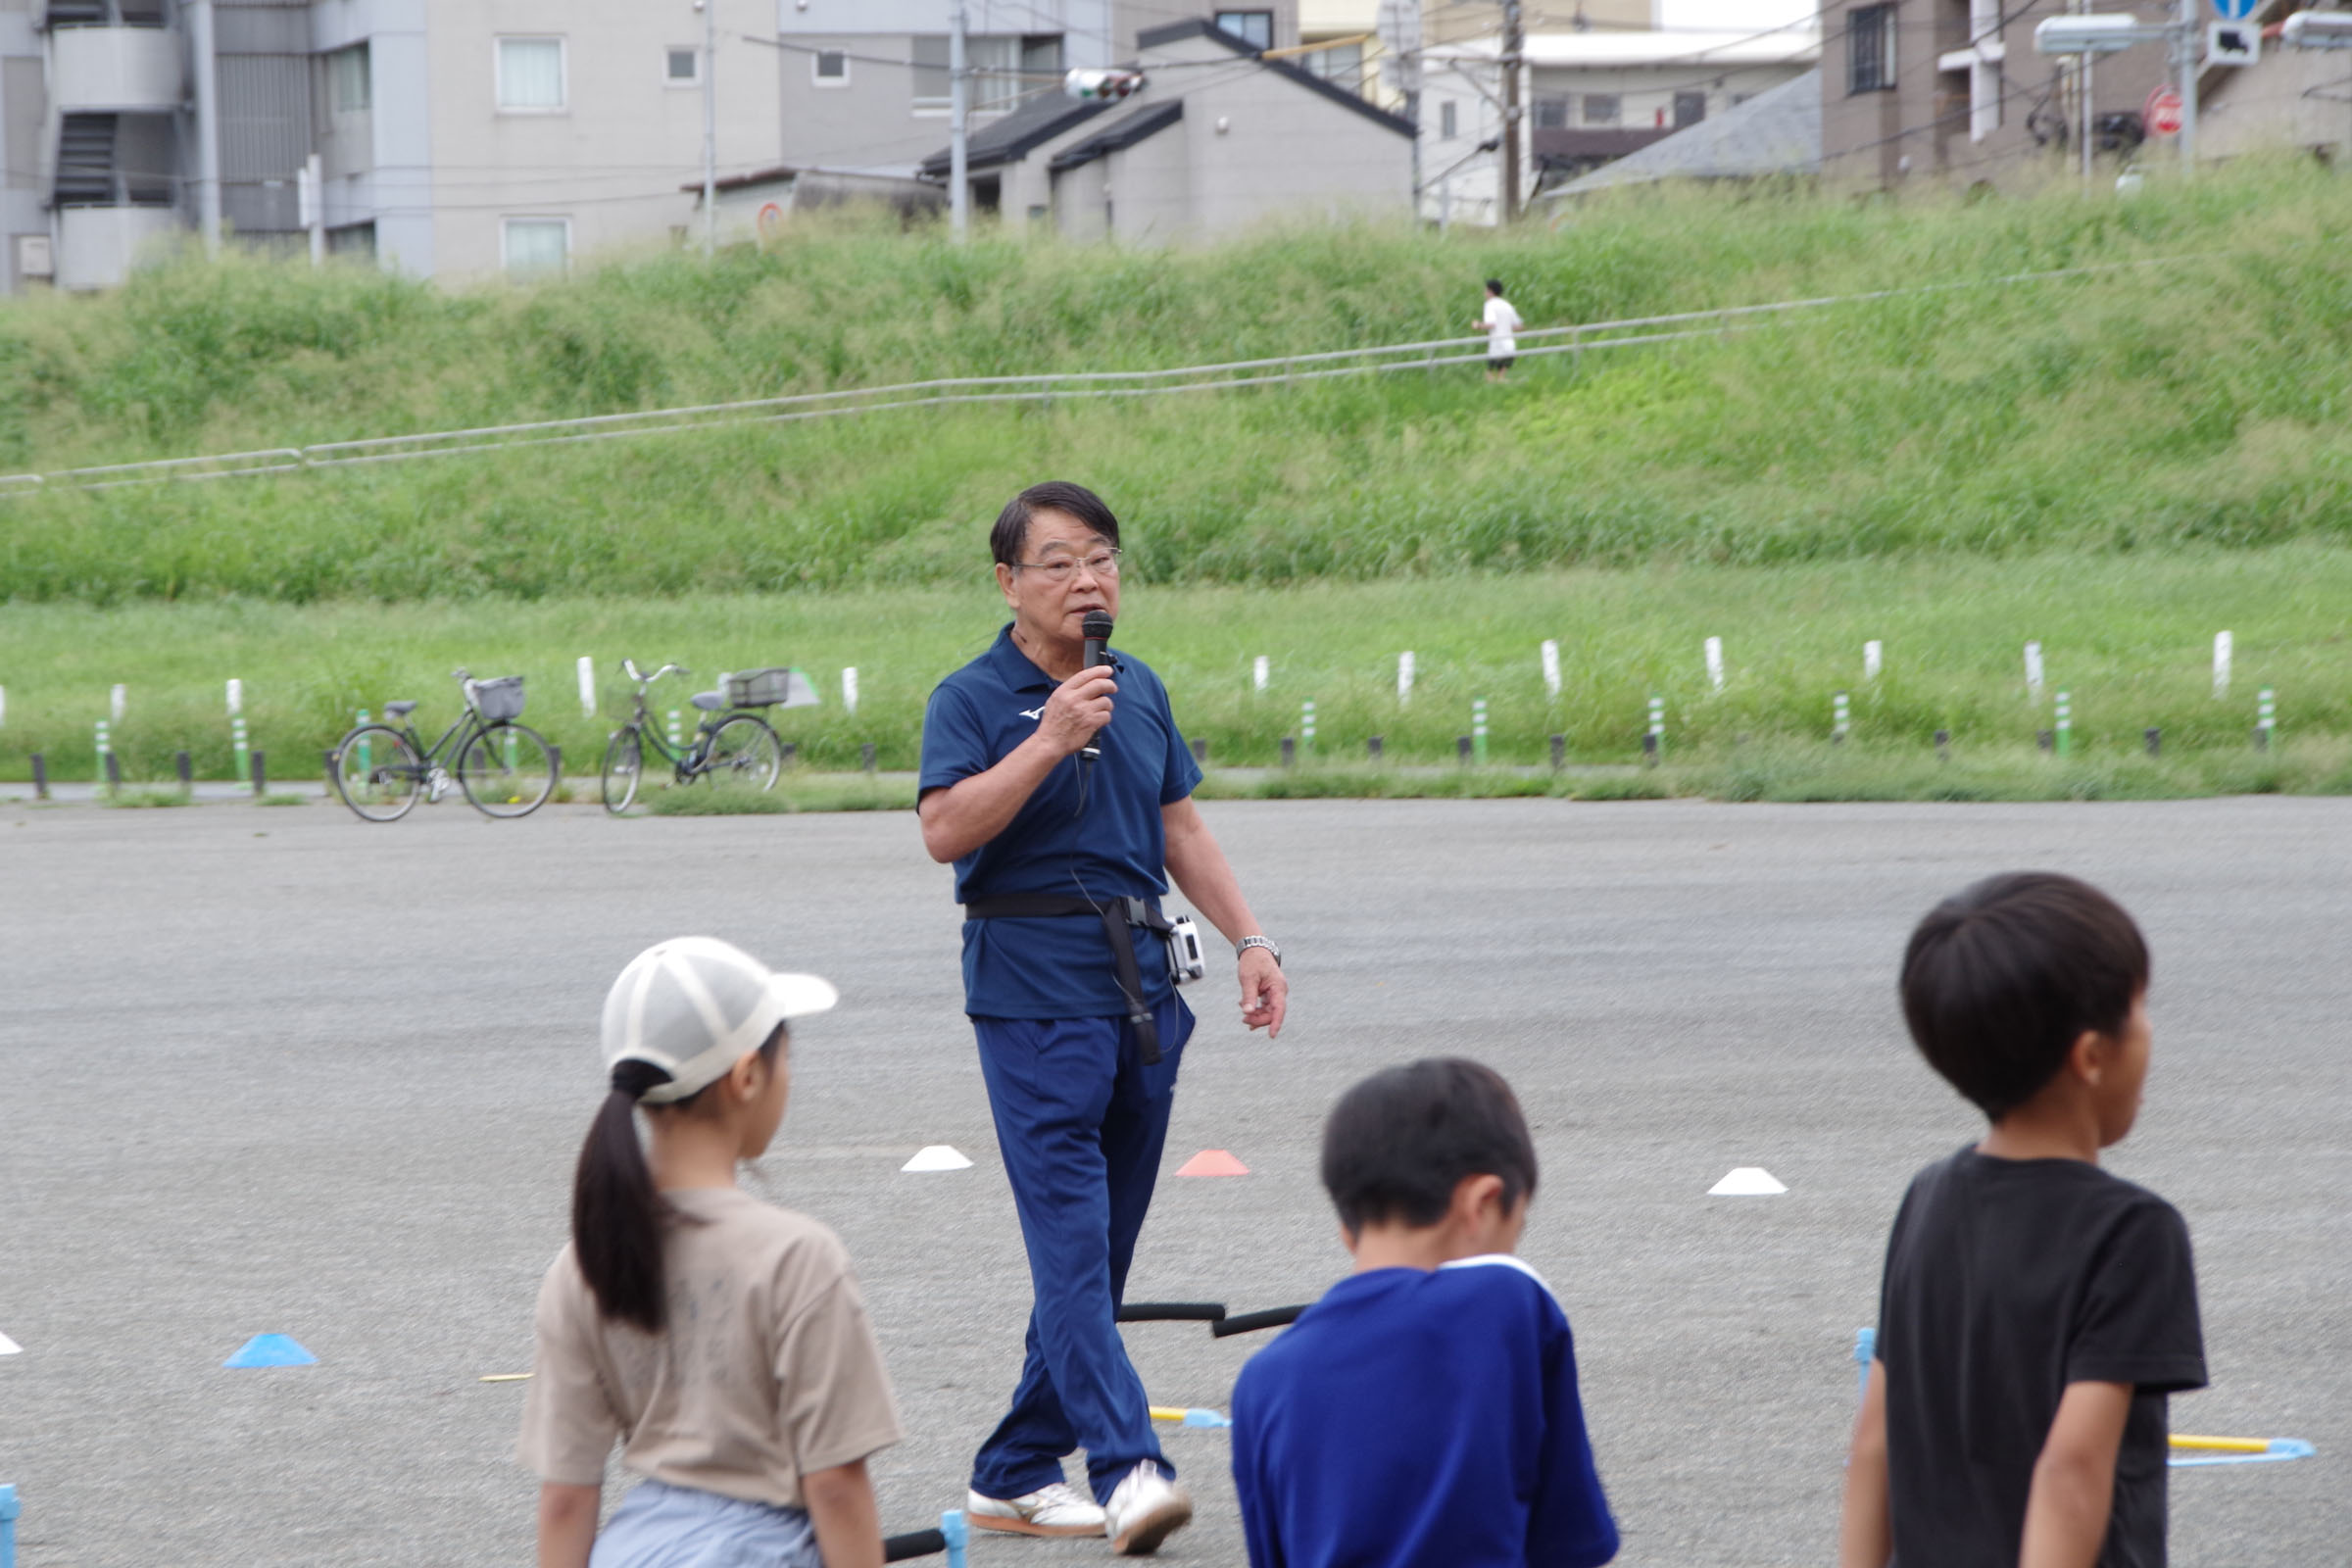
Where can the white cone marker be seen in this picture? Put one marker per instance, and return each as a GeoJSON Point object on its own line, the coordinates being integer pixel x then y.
{"type": "Point", "coordinates": [9, 1346]}
{"type": "Point", "coordinates": [1746, 1180]}
{"type": "Point", "coordinates": [937, 1157]}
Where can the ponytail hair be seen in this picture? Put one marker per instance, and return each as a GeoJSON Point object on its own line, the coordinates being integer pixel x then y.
{"type": "Point", "coordinates": [616, 1211]}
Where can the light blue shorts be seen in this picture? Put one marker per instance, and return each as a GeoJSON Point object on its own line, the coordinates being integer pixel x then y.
{"type": "Point", "coordinates": [661, 1526]}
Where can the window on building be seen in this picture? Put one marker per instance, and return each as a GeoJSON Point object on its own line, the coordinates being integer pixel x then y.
{"type": "Point", "coordinates": [1602, 108]}
{"type": "Point", "coordinates": [534, 247]}
{"type": "Point", "coordinates": [530, 75]}
{"type": "Point", "coordinates": [1445, 120]}
{"type": "Point", "coordinates": [1870, 49]}
{"type": "Point", "coordinates": [682, 65]}
{"type": "Point", "coordinates": [1551, 113]}
{"type": "Point", "coordinates": [1342, 64]}
{"type": "Point", "coordinates": [829, 68]}
{"type": "Point", "coordinates": [1253, 27]}
{"type": "Point", "coordinates": [1689, 108]}
{"type": "Point", "coordinates": [1007, 68]}
{"type": "Point", "coordinates": [348, 80]}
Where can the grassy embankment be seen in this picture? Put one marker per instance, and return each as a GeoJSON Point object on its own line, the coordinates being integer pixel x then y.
{"type": "Point", "coordinates": [2118, 465]}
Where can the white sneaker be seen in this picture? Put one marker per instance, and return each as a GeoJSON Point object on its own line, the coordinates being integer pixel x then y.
{"type": "Point", "coordinates": [1145, 1509]}
{"type": "Point", "coordinates": [1060, 1509]}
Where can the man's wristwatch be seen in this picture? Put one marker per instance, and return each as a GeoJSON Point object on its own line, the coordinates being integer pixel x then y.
{"type": "Point", "coordinates": [1246, 943]}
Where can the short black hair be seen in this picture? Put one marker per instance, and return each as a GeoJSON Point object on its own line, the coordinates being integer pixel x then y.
{"type": "Point", "coordinates": [1495, 285]}
{"type": "Point", "coordinates": [1010, 534]}
{"type": "Point", "coordinates": [2001, 978]}
{"type": "Point", "coordinates": [1397, 1145]}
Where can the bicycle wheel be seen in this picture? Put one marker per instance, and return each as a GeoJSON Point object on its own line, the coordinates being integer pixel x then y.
{"type": "Point", "coordinates": [624, 766]}
{"type": "Point", "coordinates": [506, 771]}
{"type": "Point", "coordinates": [745, 754]}
{"type": "Point", "coordinates": [378, 773]}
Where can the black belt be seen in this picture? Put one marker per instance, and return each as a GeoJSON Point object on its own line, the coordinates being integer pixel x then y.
{"type": "Point", "coordinates": [1116, 915]}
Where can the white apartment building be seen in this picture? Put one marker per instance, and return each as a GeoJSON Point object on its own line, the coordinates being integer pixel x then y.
{"type": "Point", "coordinates": [867, 90]}
{"type": "Point", "coordinates": [457, 137]}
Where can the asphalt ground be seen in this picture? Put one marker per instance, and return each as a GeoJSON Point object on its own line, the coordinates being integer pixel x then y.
{"type": "Point", "coordinates": [273, 1070]}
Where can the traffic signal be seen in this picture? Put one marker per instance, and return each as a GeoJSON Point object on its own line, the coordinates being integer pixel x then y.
{"type": "Point", "coordinates": [1091, 85]}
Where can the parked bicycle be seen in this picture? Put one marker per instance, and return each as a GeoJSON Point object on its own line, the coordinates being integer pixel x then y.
{"type": "Point", "coordinates": [732, 745]}
{"type": "Point", "coordinates": [503, 768]}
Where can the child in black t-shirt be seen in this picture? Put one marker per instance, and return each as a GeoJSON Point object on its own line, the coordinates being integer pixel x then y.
{"type": "Point", "coordinates": [2034, 1310]}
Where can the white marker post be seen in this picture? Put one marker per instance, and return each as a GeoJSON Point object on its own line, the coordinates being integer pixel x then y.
{"type": "Point", "coordinates": [2221, 664]}
{"type": "Point", "coordinates": [587, 687]}
{"type": "Point", "coordinates": [3, 707]}
{"type": "Point", "coordinates": [116, 701]}
{"type": "Point", "coordinates": [2033, 672]}
{"type": "Point", "coordinates": [849, 691]}
{"type": "Point", "coordinates": [1259, 669]}
{"type": "Point", "coordinates": [1715, 662]}
{"type": "Point", "coordinates": [1307, 723]}
{"type": "Point", "coordinates": [1405, 677]}
{"type": "Point", "coordinates": [1871, 659]}
{"type": "Point", "coordinates": [236, 696]}
{"type": "Point", "coordinates": [1551, 666]}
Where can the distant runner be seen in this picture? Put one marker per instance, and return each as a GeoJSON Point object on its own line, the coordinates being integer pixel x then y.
{"type": "Point", "coordinates": [1500, 324]}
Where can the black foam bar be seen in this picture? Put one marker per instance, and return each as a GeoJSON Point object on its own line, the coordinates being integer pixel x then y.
{"type": "Point", "coordinates": [1273, 1317]}
{"type": "Point", "coordinates": [1172, 1312]}
{"type": "Point", "coordinates": [914, 1544]}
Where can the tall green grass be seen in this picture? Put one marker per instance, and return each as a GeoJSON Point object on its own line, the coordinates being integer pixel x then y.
{"type": "Point", "coordinates": [2130, 637]}
{"type": "Point", "coordinates": [2197, 404]}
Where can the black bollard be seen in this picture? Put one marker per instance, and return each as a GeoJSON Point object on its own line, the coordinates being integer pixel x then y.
{"type": "Point", "coordinates": [113, 770]}
{"type": "Point", "coordinates": [2155, 740]}
{"type": "Point", "coordinates": [1289, 752]}
{"type": "Point", "coordinates": [260, 775]}
{"type": "Point", "coordinates": [1559, 753]}
{"type": "Point", "coordinates": [327, 759]}
{"type": "Point", "coordinates": [185, 768]}
{"type": "Point", "coordinates": [1650, 748]}
{"type": "Point", "coordinates": [555, 761]}
{"type": "Point", "coordinates": [1943, 746]}
{"type": "Point", "coordinates": [1199, 751]}
{"type": "Point", "coordinates": [1372, 748]}
{"type": "Point", "coordinates": [2045, 739]}
{"type": "Point", "coordinates": [792, 753]}
{"type": "Point", "coordinates": [40, 777]}
{"type": "Point", "coordinates": [865, 757]}
{"type": "Point", "coordinates": [1462, 750]}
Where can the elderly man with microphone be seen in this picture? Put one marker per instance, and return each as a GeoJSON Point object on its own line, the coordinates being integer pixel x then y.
{"type": "Point", "coordinates": [1055, 780]}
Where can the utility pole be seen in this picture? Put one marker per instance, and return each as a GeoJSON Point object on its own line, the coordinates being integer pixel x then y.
{"type": "Point", "coordinates": [709, 11]}
{"type": "Point", "coordinates": [207, 125]}
{"type": "Point", "coordinates": [1514, 47]}
{"type": "Point", "coordinates": [959, 113]}
{"type": "Point", "coordinates": [2186, 43]}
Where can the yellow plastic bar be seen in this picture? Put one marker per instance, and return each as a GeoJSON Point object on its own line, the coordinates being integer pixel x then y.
{"type": "Point", "coordinates": [1167, 1413]}
{"type": "Point", "coordinates": [2183, 1439]}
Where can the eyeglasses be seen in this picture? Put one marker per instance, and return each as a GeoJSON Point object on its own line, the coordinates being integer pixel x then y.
{"type": "Point", "coordinates": [1060, 569]}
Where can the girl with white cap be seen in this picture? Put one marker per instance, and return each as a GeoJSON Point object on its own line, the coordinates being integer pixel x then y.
{"type": "Point", "coordinates": [720, 1340]}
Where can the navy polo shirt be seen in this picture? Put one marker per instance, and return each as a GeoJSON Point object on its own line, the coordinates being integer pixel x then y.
{"type": "Point", "coordinates": [1060, 967]}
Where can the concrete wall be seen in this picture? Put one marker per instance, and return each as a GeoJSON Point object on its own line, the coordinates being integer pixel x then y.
{"type": "Point", "coordinates": [24, 136]}
{"type": "Point", "coordinates": [612, 160]}
{"type": "Point", "coordinates": [1153, 187]}
{"type": "Point", "coordinates": [2291, 98]}
{"type": "Point", "coordinates": [1266, 148]}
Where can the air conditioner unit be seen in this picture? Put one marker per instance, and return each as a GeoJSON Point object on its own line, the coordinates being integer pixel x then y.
{"type": "Point", "coordinates": [35, 258]}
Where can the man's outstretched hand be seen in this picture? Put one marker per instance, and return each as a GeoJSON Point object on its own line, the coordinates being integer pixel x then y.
{"type": "Point", "coordinates": [1265, 994]}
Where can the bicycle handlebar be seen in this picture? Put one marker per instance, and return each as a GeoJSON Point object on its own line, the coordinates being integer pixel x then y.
{"type": "Point", "coordinates": [629, 666]}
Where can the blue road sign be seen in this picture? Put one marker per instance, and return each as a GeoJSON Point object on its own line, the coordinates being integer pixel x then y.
{"type": "Point", "coordinates": [2233, 10]}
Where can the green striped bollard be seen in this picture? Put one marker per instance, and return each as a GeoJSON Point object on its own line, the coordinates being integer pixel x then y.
{"type": "Point", "coordinates": [2266, 720]}
{"type": "Point", "coordinates": [367, 758]}
{"type": "Point", "coordinates": [237, 742]}
{"type": "Point", "coordinates": [1654, 742]}
{"type": "Point", "coordinates": [2066, 723]}
{"type": "Point", "coordinates": [1307, 724]}
{"type": "Point", "coordinates": [677, 741]}
{"type": "Point", "coordinates": [106, 745]}
{"type": "Point", "coordinates": [1478, 730]}
{"type": "Point", "coordinates": [1842, 719]}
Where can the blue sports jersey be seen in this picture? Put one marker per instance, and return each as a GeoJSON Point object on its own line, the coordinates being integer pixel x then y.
{"type": "Point", "coordinates": [1115, 847]}
{"type": "Point", "coordinates": [1416, 1419]}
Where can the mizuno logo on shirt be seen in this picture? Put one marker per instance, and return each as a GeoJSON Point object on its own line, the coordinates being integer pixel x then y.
{"type": "Point", "coordinates": [1033, 712]}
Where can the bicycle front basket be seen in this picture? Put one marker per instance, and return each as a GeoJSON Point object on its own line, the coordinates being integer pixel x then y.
{"type": "Point", "coordinates": [769, 688]}
{"type": "Point", "coordinates": [498, 701]}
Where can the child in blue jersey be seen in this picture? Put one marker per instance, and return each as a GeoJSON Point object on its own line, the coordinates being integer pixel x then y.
{"type": "Point", "coordinates": [1424, 1413]}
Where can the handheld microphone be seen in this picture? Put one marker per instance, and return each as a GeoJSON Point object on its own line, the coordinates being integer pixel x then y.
{"type": "Point", "coordinates": [1095, 628]}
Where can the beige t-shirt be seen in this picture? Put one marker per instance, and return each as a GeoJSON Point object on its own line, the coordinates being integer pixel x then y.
{"type": "Point", "coordinates": [768, 1368]}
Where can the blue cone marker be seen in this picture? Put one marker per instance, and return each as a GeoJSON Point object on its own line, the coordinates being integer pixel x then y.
{"type": "Point", "coordinates": [271, 1350]}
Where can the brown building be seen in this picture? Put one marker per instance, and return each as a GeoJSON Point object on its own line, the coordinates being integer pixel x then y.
{"type": "Point", "coordinates": [1951, 92]}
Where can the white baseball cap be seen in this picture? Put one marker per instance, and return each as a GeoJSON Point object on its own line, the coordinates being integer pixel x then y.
{"type": "Point", "coordinates": [694, 1007]}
